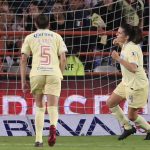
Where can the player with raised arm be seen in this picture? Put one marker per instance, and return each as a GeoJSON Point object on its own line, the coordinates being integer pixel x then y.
{"type": "Point", "coordinates": [134, 85]}
{"type": "Point", "coordinates": [48, 51]}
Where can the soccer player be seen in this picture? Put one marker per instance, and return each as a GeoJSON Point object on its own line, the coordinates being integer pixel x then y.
{"type": "Point", "coordinates": [134, 84]}
{"type": "Point", "coordinates": [49, 59]}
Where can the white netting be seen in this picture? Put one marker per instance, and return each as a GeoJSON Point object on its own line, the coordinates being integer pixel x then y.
{"type": "Point", "coordinates": [88, 28]}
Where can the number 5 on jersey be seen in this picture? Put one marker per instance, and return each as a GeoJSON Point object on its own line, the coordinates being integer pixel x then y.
{"type": "Point", "coordinates": [45, 55]}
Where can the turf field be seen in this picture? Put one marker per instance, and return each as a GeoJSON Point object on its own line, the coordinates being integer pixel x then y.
{"type": "Point", "coordinates": [77, 143]}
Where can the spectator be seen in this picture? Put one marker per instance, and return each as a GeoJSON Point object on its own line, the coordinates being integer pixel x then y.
{"type": "Point", "coordinates": [60, 21]}
{"type": "Point", "coordinates": [133, 11]}
{"type": "Point", "coordinates": [79, 13]}
{"type": "Point", "coordinates": [107, 9]}
{"type": "Point", "coordinates": [18, 24]}
{"type": "Point", "coordinates": [83, 22]}
{"type": "Point", "coordinates": [6, 17]}
{"type": "Point", "coordinates": [6, 20]}
{"type": "Point", "coordinates": [33, 11]}
{"type": "Point", "coordinates": [146, 16]}
{"type": "Point", "coordinates": [110, 11]}
{"type": "Point", "coordinates": [78, 19]}
{"type": "Point", "coordinates": [17, 6]}
{"type": "Point", "coordinates": [74, 67]}
{"type": "Point", "coordinates": [3, 9]}
{"type": "Point", "coordinates": [145, 45]}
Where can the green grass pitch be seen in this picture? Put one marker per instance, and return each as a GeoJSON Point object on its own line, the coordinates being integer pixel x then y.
{"type": "Point", "coordinates": [77, 143]}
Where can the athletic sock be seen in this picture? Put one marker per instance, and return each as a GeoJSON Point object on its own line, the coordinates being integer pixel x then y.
{"type": "Point", "coordinates": [53, 114]}
{"type": "Point", "coordinates": [39, 123]}
{"type": "Point", "coordinates": [141, 122]}
{"type": "Point", "coordinates": [119, 114]}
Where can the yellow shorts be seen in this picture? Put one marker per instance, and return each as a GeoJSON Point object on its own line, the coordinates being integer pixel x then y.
{"type": "Point", "coordinates": [135, 98]}
{"type": "Point", "coordinates": [45, 84]}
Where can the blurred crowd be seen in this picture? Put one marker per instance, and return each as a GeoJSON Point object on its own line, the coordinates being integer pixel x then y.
{"type": "Point", "coordinates": [73, 15]}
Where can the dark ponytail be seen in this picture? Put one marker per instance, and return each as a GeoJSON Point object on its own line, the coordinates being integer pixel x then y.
{"type": "Point", "coordinates": [134, 33]}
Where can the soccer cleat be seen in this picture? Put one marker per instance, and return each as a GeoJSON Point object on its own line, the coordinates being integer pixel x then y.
{"type": "Point", "coordinates": [147, 136]}
{"type": "Point", "coordinates": [52, 136]}
{"type": "Point", "coordinates": [38, 144]}
{"type": "Point", "coordinates": [127, 133]}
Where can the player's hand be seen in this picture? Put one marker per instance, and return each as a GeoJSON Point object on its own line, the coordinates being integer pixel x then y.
{"type": "Point", "coordinates": [25, 87]}
{"type": "Point", "coordinates": [116, 42]}
{"type": "Point", "coordinates": [115, 55]}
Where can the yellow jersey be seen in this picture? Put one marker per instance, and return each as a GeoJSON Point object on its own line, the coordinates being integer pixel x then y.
{"type": "Point", "coordinates": [45, 47]}
{"type": "Point", "coordinates": [132, 53]}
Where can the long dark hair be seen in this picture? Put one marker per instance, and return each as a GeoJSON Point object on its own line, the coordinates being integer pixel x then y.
{"type": "Point", "coordinates": [134, 33]}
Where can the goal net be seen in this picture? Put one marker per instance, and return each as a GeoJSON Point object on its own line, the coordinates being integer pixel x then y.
{"type": "Point", "coordinates": [88, 29]}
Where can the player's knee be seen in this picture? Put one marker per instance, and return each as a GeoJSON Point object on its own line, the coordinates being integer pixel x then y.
{"type": "Point", "coordinates": [39, 104]}
{"type": "Point", "coordinates": [109, 103]}
{"type": "Point", "coordinates": [131, 117]}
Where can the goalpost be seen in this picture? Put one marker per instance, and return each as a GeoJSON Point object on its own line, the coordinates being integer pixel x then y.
{"type": "Point", "coordinates": [89, 42]}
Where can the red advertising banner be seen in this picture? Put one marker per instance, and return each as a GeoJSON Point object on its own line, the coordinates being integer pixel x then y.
{"type": "Point", "coordinates": [70, 102]}
{"type": "Point", "coordinates": [74, 99]}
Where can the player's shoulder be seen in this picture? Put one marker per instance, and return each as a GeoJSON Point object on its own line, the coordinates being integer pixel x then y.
{"type": "Point", "coordinates": [133, 47]}
{"type": "Point", "coordinates": [29, 36]}
{"type": "Point", "coordinates": [56, 34]}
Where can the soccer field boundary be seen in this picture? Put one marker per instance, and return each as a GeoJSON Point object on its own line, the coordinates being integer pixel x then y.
{"type": "Point", "coordinates": [77, 143]}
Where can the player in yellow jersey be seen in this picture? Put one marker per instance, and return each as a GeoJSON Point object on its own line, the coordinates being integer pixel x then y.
{"type": "Point", "coordinates": [134, 84]}
{"type": "Point", "coordinates": [49, 59]}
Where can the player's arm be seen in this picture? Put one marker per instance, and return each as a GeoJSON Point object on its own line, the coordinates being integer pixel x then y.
{"type": "Point", "coordinates": [23, 64]}
{"type": "Point", "coordinates": [25, 52]}
{"type": "Point", "coordinates": [130, 66]}
{"type": "Point", "coordinates": [62, 61]}
{"type": "Point", "coordinates": [62, 49]}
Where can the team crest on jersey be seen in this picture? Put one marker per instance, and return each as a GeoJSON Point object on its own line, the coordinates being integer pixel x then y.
{"type": "Point", "coordinates": [130, 98]}
{"type": "Point", "coordinates": [134, 53]}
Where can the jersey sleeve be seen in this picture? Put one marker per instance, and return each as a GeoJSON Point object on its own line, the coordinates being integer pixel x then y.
{"type": "Point", "coordinates": [133, 56]}
{"type": "Point", "coordinates": [61, 45]}
{"type": "Point", "coordinates": [26, 47]}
